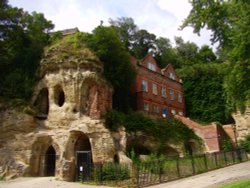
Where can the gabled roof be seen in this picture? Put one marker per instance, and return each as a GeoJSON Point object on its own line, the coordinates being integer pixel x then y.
{"type": "Point", "coordinates": [149, 58]}
{"type": "Point", "coordinates": [168, 71]}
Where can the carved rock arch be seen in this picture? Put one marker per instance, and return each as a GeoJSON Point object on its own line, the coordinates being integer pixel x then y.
{"type": "Point", "coordinates": [39, 149]}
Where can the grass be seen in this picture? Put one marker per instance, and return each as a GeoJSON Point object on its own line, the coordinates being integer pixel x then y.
{"type": "Point", "coordinates": [237, 184]}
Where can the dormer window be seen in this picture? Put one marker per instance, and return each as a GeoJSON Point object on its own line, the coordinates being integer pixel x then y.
{"type": "Point", "coordinates": [171, 76]}
{"type": "Point", "coordinates": [151, 66]}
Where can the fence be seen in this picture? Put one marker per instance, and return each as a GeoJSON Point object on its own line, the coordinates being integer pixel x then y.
{"type": "Point", "coordinates": [148, 173]}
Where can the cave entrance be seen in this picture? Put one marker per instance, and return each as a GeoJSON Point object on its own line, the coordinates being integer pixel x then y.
{"type": "Point", "coordinates": [50, 162]}
{"type": "Point", "coordinates": [83, 158]}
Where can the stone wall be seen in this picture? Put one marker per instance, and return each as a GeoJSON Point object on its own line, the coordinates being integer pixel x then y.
{"type": "Point", "coordinates": [71, 99]}
{"type": "Point", "coordinates": [242, 122]}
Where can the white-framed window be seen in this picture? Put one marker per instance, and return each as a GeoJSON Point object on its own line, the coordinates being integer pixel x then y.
{"type": "Point", "coordinates": [154, 89]}
{"type": "Point", "coordinates": [179, 98]}
{"type": "Point", "coordinates": [164, 92]}
{"type": "Point", "coordinates": [145, 106]}
{"type": "Point", "coordinates": [180, 113]}
{"type": "Point", "coordinates": [144, 85]}
{"type": "Point", "coordinates": [171, 94]}
{"type": "Point", "coordinates": [155, 109]}
{"type": "Point", "coordinates": [151, 66]}
{"type": "Point", "coordinates": [173, 111]}
{"type": "Point", "coordinates": [172, 76]}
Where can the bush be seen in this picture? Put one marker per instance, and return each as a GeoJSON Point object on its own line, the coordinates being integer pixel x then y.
{"type": "Point", "coordinates": [111, 171]}
{"type": "Point", "coordinates": [245, 144]}
{"type": "Point", "coordinates": [114, 119]}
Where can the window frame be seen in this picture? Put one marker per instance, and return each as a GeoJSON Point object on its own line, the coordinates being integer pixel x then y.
{"type": "Point", "coordinates": [172, 96]}
{"type": "Point", "coordinates": [144, 85]}
{"type": "Point", "coordinates": [154, 89]}
{"type": "Point", "coordinates": [164, 92]}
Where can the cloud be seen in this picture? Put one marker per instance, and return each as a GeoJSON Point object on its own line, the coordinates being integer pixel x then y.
{"type": "Point", "coordinates": [161, 17]}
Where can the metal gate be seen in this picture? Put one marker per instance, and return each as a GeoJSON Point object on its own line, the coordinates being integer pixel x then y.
{"type": "Point", "coordinates": [83, 165]}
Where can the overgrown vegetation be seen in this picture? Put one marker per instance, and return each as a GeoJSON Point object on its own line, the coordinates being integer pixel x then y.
{"type": "Point", "coordinates": [111, 172]}
{"type": "Point", "coordinates": [160, 130]}
{"type": "Point", "coordinates": [22, 39]}
{"type": "Point", "coordinates": [245, 144]}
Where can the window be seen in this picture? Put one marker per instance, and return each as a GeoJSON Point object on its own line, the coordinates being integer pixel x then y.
{"type": "Point", "coordinates": [155, 109]}
{"type": "Point", "coordinates": [144, 85]}
{"type": "Point", "coordinates": [145, 107]}
{"type": "Point", "coordinates": [172, 76]}
{"type": "Point", "coordinates": [179, 98]}
{"type": "Point", "coordinates": [164, 92]}
{"type": "Point", "coordinates": [171, 95]}
{"type": "Point", "coordinates": [151, 66]}
{"type": "Point", "coordinates": [154, 89]}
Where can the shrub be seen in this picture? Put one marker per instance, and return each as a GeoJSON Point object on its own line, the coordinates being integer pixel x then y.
{"type": "Point", "coordinates": [111, 171]}
{"type": "Point", "coordinates": [114, 119]}
{"type": "Point", "coordinates": [245, 144]}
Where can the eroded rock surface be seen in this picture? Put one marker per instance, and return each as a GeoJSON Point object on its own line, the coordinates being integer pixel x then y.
{"type": "Point", "coordinates": [71, 99]}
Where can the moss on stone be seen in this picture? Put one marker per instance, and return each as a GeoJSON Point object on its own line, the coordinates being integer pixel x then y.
{"type": "Point", "coordinates": [69, 52]}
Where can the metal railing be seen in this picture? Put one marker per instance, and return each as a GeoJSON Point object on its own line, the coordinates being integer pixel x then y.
{"type": "Point", "coordinates": [143, 174]}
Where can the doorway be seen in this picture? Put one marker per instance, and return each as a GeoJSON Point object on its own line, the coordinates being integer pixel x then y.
{"type": "Point", "coordinates": [83, 158]}
{"type": "Point", "coordinates": [50, 162]}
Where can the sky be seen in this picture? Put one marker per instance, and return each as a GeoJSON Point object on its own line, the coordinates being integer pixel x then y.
{"type": "Point", "coordinates": [160, 17]}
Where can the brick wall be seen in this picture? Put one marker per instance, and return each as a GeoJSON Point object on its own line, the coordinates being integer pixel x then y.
{"type": "Point", "coordinates": [160, 78]}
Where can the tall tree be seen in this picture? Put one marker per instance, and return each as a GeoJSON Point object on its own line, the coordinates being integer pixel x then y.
{"type": "Point", "coordinates": [143, 43]}
{"type": "Point", "coordinates": [230, 23]}
{"type": "Point", "coordinates": [188, 51]}
{"type": "Point", "coordinates": [127, 28]}
{"type": "Point", "coordinates": [105, 41]}
{"type": "Point", "coordinates": [206, 55]}
{"type": "Point", "coordinates": [22, 38]}
{"type": "Point", "coordinates": [165, 53]}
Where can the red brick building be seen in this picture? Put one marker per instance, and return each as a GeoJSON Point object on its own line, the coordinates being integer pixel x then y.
{"type": "Point", "coordinates": [156, 91]}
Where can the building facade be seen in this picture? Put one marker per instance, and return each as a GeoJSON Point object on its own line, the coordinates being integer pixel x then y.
{"type": "Point", "coordinates": [157, 92]}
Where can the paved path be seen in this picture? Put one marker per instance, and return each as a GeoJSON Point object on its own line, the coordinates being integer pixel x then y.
{"type": "Point", "coordinates": [211, 179]}
{"type": "Point", "coordinates": [43, 182]}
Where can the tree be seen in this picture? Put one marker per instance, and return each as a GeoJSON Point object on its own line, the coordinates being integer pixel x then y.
{"type": "Point", "coordinates": [230, 24]}
{"type": "Point", "coordinates": [206, 55]}
{"type": "Point", "coordinates": [22, 38]}
{"type": "Point", "coordinates": [126, 28]}
{"type": "Point", "coordinates": [143, 42]}
{"type": "Point", "coordinates": [106, 43]}
{"type": "Point", "coordinates": [165, 53]}
{"type": "Point", "coordinates": [204, 94]}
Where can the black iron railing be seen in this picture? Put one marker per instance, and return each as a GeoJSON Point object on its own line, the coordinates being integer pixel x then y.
{"type": "Point", "coordinates": [142, 174]}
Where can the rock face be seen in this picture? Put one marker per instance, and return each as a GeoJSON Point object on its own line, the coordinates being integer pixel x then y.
{"type": "Point", "coordinates": [242, 122]}
{"type": "Point", "coordinates": [71, 99]}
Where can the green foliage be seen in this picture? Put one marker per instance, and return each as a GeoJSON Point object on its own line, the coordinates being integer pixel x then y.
{"type": "Point", "coordinates": [111, 172]}
{"type": "Point", "coordinates": [160, 130]}
{"type": "Point", "coordinates": [245, 144]}
{"type": "Point", "coordinates": [230, 24]}
{"type": "Point", "coordinates": [114, 119]}
{"type": "Point", "coordinates": [237, 184]}
{"type": "Point", "coordinates": [22, 39]}
{"type": "Point", "coordinates": [105, 42]}
{"type": "Point", "coordinates": [226, 145]}
{"type": "Point", "coordinates": [204, 93]}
